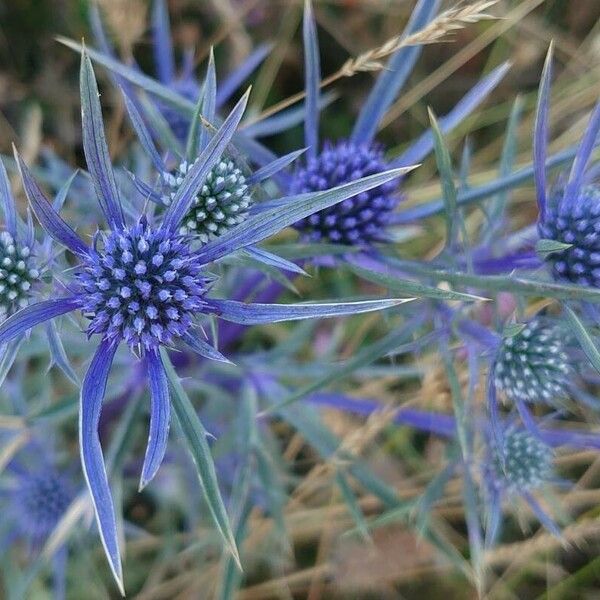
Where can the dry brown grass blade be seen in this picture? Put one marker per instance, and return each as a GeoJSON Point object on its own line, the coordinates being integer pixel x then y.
{"type": "Point", "coordinates": [436, 31]}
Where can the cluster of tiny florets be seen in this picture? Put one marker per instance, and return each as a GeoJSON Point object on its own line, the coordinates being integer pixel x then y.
{"type": "Point", "coordinates": [358, 220]}
{"type": "Point", "coordinates": [533, 365]}
{"type": "Point", "coordinates": [522, 463]}
{"type": "Point", "coordinates": [17, 273]}
{"type": "Point", "coordinates": [576, 223]}
{"type": "Point", "coordinates": [39, 502]}
{"type": "Point", "coordinates": [179, 124]}
{"type": "Point", "coordinates": [221, 204]}
{"type": "Point", "coordinates": [141, 285]}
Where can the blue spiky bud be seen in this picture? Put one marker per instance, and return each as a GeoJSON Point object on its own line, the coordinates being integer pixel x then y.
{"type": "Point", "coordinates": [222, 203]}
{"type": "Point", "coordinates": [141, 285]}
{"type": "Point", "coordinates": [523, 462]}
{"type": "Point", "coordinates": [533, 365]}
{"type": "Point", "coordinates": [576, 223]}
{"type": "Point", "coordinates": [360, 220]}
{"type": "Point", "coordinates": [18, 273]}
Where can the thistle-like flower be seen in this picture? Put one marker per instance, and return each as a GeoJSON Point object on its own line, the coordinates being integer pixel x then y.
{"type": "Point", "coordinates": [222, 203]}
{"type": "Point", "coordinates": [365, 219]}
{"type": "Point", "coordinates": [35, 494]}
{"type": "Point", "coordinates": [38, 502]}
{"type": "Point", "coordinates": [19, 270]}
{"type": "Point", "coordinates": [522, 463]}
{"type": "Point", "coordinates": [144, 284]}
{"type": "Point", "coordinates": [569, 216]}
{"type": "Point", "coordinates": [357, 221]}
{"type": "Point", "coordinates": [533, 365]}
{"type": "Point", "coordinates": [517, 464]}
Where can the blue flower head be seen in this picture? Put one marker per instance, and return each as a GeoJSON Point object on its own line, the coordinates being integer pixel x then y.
{"type": "Point", "coordinates": [146, 284]}
{"type": "Point", "coordinates": [521, 463]}
{"type": "Point", "coordinates": [569, 215]}
{"type": "Point", "coordinates": [19, 270]}
{"type": "Point", "coordinates": [222, 203]}
{"type": "Point", "coordinates": [141, 285]}
{"type": "Point", "coordinates": [360, 220]}
{"type": "Point", "coordinates": [38, 502]}
{"type": "Point", "coordinates": [533, 365]}
{"type": "Point", "coordinates": [517, 465]}
{"type": "Point", "coordinates": [363, 219]}
{"type": "Point", "coordinates": [35, 495]}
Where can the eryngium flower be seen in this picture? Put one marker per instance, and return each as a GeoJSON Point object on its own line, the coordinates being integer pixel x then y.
{"type": "Point", "coordinates": [533, 365]}
{"type": "Point", "coordinates": [141, 285]}
{"type": "Point", "coordinates": [18, 266]}
{"type": "Point", "coordinates": [365, 219]}
{"type": "Point", "coordinates": [577, 225]}
{"type": "Point", "coordinates": [222, 203]}
{"type": "Point", "coordinates": [522, 463]}
{"type": "Point", "coordinates": [145, 285]}
{"type": "Point", "coordinates": [17, 272]}
{"type": "Point", "coordinates": [572, 215]}
{"type": "Point", "coordinates": [360, 220]}
{"type": "Point", "coordinates": [38, 502]}
{"type": "Point", "coordinates": [517, 465]}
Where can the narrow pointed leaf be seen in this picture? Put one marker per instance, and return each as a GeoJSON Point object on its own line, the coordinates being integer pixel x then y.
{"type": "Point", "coordinates": [232, 82]}
{"type": "Point", "coordinates": [392, 79]}
{"type": "Point", "coordinates": [204, 348]}
{"type": "Point", "coordinates": [196, 442]}
{"type": "Point", "coordinates": [209, 101]}
{"type": "Point", "coordinates": [8, 202]}
{"type": "Point", "coordinates": [46, 215]}
{"type": "Point", "coordinates": [419, 149]}
{"type": "Point", "coordinates": [162, 45]}
{"type": "Point", "coordinates": [312, 81]}
{"type": "Point", "coordinates": [583, 337]}
{"type": "Point", "coordinates": [254, 314]}
{"type": "Point", "coordinates": [584, 152]}
{"type": "Point", "coordinates": [444, 165]}
{"type": "Point", "coordinates": [274, 167]}
{"type": "Point", "coordinates": [160, 417]}
{"type": "Point", "coordinates": [261, 226]}
{"type": "Point", "coordinates": [95, 148]}
{"type": "Point", "coordinates": [34, 314]}
{"type": "Point", "coordinates": [272, 260]}
{"type": "Point", "coordinates": [58, 354]}
{"type": "Point", "coordinates": [142, 132]}
{"type": "Point", "coordinates": [540, 135]}
{"type": "Point", "coordinates": [94, 470]}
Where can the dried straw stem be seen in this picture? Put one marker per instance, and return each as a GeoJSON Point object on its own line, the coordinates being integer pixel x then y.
{"type": "Point", "coordinates": [438, 30]}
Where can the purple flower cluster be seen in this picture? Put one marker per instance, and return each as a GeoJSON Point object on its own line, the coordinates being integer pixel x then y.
{"type": "Point", "coordinates": [360, 220]}
{"type": "Point", "coordinates": [574, 222]}
{"type": "Point", "coordinates": [141, 285]}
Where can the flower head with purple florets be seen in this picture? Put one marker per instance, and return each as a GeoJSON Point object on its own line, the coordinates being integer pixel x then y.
{"type": "Point", "coordinates": [145, 284]}
{"type": "Point", "coordinates": [365, 219]}
{"type": "Point", "coordinates": [357, 221]}
{"type": "Point", "coordinates": [35, 495]}
{"type": "Point", "coordinates": [569, 216]}
{"type": "Point", "coordinates": [19, 266]}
